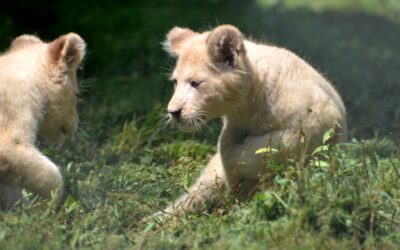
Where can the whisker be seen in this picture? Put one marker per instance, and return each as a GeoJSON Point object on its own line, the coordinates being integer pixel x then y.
{"type": "Point", "coordinates": [191, 121]}
{"type": "Point", "coordinates": [80, 132]}
{"type": "Point", "coordinates": [241, 72]}
{"type": "Point", "coordinates": [195, 122]}
{"type": "Point", "coordinates": [198, 123]}
{"type": "Point", "coordinates": [84, 85]}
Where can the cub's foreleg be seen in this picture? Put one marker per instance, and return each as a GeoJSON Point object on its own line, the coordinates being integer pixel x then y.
{"type": "Point", "coordinates": [9, 195]}
{"type": "Point", "coordinates": [205, 190]}
{"type": "Point", "coordinates": [23, 166]}
{"type": "Point", "coordinates": [242, 163]}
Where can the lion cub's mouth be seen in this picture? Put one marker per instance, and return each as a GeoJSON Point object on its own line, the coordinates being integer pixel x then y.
{"type": "Point", "coordinates": [190, 123]}
{"type": "Point", "coordinates": [63, 130]}
{"type": "Point", "coordinates": [67, 131]}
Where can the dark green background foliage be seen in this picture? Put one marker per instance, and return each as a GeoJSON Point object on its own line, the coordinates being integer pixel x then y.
{"type": "Point", "coordinates": [125, 164]}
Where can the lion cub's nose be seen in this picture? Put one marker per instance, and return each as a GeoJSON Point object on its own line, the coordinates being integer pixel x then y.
{"type": "Point", "coordinates": [176, 114]}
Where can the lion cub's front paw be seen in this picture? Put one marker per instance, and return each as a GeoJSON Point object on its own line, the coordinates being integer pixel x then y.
{"type": "Point", "coordinates": [159, 217]}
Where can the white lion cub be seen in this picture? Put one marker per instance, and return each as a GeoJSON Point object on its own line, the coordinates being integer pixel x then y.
{"type": "Point", "coordinates": [267, 96]}
{"type": "Point", "coordinates": [38, 90]}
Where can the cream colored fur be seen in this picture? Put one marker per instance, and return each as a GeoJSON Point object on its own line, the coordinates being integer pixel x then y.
{"type": "Point", "coordinates": [38, 89]}
{"type": "Point", "coordinates": [267, 96]}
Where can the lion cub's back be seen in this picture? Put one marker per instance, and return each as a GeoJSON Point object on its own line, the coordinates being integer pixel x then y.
{"type": "Point", "coordinates": [298, 92]}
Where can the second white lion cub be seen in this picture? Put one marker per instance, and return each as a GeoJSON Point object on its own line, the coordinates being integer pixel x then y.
{"type": "Point", "coordinates": [267, 96]}
{"type": "Point", "coordinates": [38, 90]}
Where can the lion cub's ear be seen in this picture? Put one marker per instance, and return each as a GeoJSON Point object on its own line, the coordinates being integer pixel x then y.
{"type": "Point", "coordinates": [68, 50]}
{"type": "Point", "coordinates": [225, 44]}
{"type": "Point", "coordinates": [175, 40]}
{"type": "Point", "coordinates": [23, 41]}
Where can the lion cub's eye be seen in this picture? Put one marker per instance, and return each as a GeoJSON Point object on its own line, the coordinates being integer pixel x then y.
{"type": "Point", "coordinates": [175, 82]}
{"type": "Point", "coordinates": [195, 84]}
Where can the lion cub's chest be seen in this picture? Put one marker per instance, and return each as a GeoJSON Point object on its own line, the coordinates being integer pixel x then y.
{"type": "Point", "coordinates": [236, 133]}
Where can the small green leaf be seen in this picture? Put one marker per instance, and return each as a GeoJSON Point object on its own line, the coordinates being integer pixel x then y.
{"type": "Point", "coordinates": [150, 227]}
{"type": "Point", "coordinates": [266, 150]}
{"type": "Point", "coordinates": [328, 135]}
{"type": "Point", "coordinates": [321, 164]}
{"type": "Point", "coordinates": [322, 148]}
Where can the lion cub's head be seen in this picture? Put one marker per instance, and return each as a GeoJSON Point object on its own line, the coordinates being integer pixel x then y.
{"type": "Point", "coordinates": [53, 69]}
{"type": "Point", "coordinates": [209, 75]}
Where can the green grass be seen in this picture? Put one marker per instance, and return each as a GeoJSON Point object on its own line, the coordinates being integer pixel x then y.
{"type": "Point", "coordinates": [125, 164]}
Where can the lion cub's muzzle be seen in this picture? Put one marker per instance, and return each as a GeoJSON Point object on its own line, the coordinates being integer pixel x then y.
{"type": "Point", "coordinates": [175, 114]}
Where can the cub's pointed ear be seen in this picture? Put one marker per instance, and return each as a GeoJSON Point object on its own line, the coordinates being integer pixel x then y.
{"type": "Point", "coordinates": [175, 40]}
{"type": "Point", "coordinates": [225, 44]}
{"type": "Point", "coordinates": [68, 50]}
{"type": "Point", "coordinates": [23, 41]}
